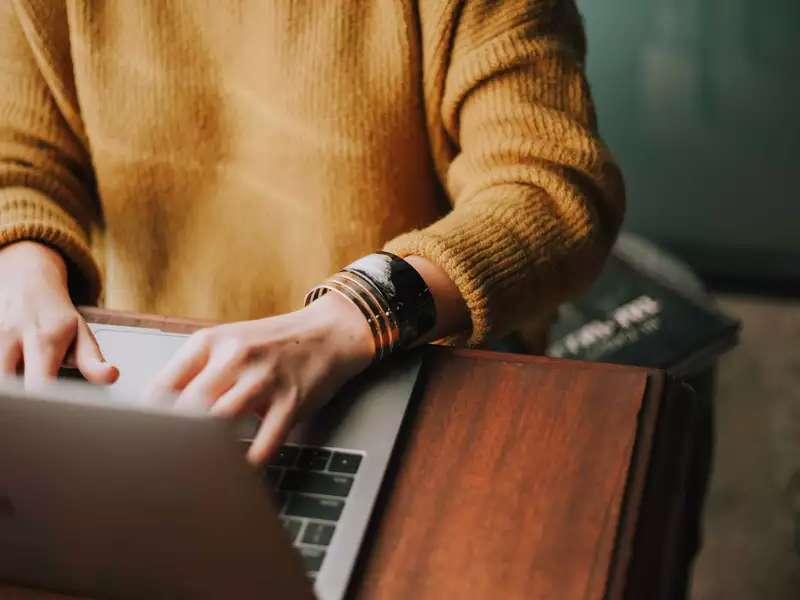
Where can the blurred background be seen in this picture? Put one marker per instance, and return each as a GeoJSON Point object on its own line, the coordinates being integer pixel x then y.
{"type": "Point", "coordinates": [699, 100]}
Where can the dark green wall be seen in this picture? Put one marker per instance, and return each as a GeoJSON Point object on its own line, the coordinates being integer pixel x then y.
{"type": "Point", "coordinates": [699, 100]}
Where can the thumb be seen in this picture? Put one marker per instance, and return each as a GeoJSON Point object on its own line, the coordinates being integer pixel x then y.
{"type": "Point", "coordinates": [89, 359]}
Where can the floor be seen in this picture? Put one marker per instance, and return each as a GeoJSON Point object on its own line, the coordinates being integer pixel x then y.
{"type": "Point", "coordinates": [752, 515]}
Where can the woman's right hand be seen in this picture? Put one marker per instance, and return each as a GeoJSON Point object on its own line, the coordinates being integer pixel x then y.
{"type": "Point", "coordinates": [40, 329]}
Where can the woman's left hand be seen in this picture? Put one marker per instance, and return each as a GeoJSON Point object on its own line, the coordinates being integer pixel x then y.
{"type": "Point", "coordinates": [283, 367]}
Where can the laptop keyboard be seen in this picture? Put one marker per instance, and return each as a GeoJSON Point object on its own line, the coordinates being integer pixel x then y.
{"type": "Point", "coordinates": [311, 485]}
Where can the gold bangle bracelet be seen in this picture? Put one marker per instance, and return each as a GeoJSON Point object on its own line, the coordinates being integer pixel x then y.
{"type": "Point", "coordinates": [368, 298]}
{"type": "Point", "coordinates": [378, 329]}
{"type": "Point", "coordinates": [376, 303]}
{"type": "Point", "coordinates": [393, 297]}
{"type": "Point", "coordinates": [367, 288]}
{"type": "Point", "coordinates": [366, 303]}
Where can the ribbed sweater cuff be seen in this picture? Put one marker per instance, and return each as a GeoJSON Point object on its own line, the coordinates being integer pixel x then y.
{"type": "Point", "coordinates": [479, 254]}
{"type": "Point", "coordinates": [26, 214]}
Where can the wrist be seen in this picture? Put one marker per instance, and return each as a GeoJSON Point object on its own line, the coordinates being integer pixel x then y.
{"type": "Point", "coordinates": [346, 329]}
{"type": "Point", "coordinates": [395, 300]}
{"type": "Point", "coordinates": [34, 258]}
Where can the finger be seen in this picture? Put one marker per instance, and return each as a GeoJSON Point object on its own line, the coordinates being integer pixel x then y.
{"type": "Point", "coordinates": [89, 359]}
{"type": "Point", "coordinates": [10, 356]}
{"type": "Point", "coordinates": [215, 379]}
{"type": "Point", "coordinates": [274, 428]}
{"type": "Point", "coordinates": [69, 359]}
{"type": "Point", "coordinates": [181, 369]}
{"type": "Point", "coordinates": [42, 357]}
{"type": "Point", "coordinates": [251, 387]}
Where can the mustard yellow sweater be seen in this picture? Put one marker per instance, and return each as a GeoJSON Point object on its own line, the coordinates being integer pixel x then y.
{"type": "Point", "coordinates": [216, 159]}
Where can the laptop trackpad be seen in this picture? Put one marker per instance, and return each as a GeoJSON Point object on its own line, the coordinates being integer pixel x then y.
{"type": "Point", "coordinates": [140, 354]}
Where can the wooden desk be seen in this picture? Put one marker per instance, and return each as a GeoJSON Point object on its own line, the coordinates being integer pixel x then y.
{"type": "Point", "coordinates": [524, 477]}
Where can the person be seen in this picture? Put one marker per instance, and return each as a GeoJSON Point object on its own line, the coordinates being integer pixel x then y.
{"type": "Point", "coordinates": [218, 160]}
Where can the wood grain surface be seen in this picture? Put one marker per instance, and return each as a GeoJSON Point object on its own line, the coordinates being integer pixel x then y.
{"type": "Point", "coordinates": [511, 482]}
{"type": "Point", "coordinates": [515, 477]}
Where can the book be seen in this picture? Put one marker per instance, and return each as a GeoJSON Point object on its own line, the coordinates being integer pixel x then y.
{"type": "Point", "coordinates": [630, 316]}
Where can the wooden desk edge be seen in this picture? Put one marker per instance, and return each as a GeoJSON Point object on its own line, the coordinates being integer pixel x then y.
{"type": "Point", "coordinates": [635, 486]}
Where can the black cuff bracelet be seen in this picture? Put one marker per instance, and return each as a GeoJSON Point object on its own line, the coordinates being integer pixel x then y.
{"type": "Point", "coordinates": [405, 292]}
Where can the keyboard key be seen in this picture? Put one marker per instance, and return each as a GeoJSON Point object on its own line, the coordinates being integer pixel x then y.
{"type": "Point", "coordinates": [326, 509]}
{"type": "Point", "coordinates": [313, 558]}
{"type": "Point", "coordinates": [317, 483]}
{"type": "Point", "coordinates": [280, 500]}
{"type": "Point", "coordinates": [285, 456]}
{"type": "Point", "coordinates": [273, 476]}
{"type": "Point", "coordinates": [313, 459]}
{"type": "Point", "coordinates": [344, 462]}
{"type": "Point", "coordinates": [292, 527]}
{"type": "Point", "coordinates": [318, 533]}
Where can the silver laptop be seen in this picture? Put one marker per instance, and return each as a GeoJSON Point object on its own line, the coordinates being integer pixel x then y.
{"type": "Point", "coordinates": [103, 495]}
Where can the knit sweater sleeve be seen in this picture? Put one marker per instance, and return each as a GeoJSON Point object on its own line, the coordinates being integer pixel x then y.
{"type": "Point", "coordinates": [537, 199]}
{"type": "Point", "coordinates": [46, 192]}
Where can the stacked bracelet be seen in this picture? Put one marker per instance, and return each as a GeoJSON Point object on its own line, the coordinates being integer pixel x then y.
{"type": "Point", "coordinates": [392, 296]}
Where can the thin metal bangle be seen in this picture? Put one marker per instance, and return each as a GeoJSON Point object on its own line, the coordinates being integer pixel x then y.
{"type": "Point", "coordinates": [387, 335]}
{"type": "Point", "coordinates": [368, 287]}
{"type": "Point", "coordinates": [376, 300]}
{"type": "Point", "coordinates": [379, 329]}
{"type": "Point", "coordinates": [373, 320]}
